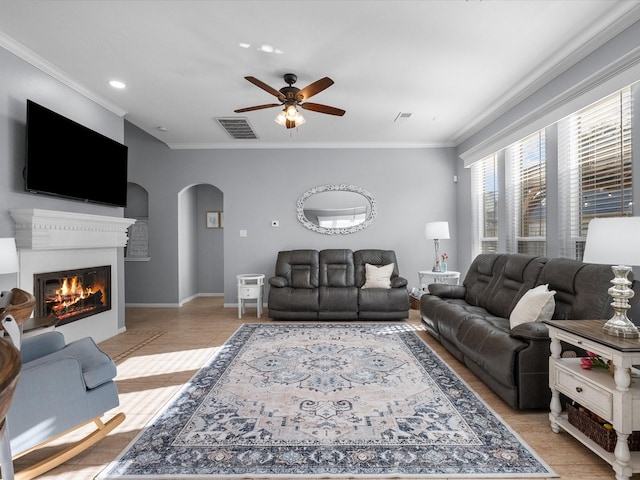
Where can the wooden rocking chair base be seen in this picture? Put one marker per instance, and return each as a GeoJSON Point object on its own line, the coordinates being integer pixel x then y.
{"type": "Point", "coordinates": [68, 453]}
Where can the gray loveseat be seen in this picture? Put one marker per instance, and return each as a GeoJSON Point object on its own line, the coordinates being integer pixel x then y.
{"type": "Point", "coordinates": [327, 285]}
{"type": "Point", "coordinates": [472, 320]}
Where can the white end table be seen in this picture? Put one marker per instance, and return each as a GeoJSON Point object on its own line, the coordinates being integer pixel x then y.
{"type": "Point", "coordinates": [425, 277]}
{"type": "Point", "coordinates": [616, 398]}
{"type": "Point", "coordinates": [250, 287]}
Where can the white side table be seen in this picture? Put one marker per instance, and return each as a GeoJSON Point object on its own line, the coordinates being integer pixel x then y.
{"type": "Point", "coordinates": [425, 277]}
{"type": "Point", "coordinates": [616, 398]}
{"type": "Point", "coordinates": [250, 287]}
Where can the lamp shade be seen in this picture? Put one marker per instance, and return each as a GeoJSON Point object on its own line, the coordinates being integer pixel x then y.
{"type": "Point", "coordinates": [8, 256]}
{"type": "Point", "coordinates": [436, 230]}
{"type": "Point", "coordinates": [613, 241]}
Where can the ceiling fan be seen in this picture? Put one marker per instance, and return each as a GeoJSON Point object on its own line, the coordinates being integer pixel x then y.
{"type": "Point", "coordinates": [291, 97]}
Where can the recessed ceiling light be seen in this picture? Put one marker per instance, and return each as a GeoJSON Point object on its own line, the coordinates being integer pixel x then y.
{"type": "Point", "coordinates": [269, 49]}
{"type": "Point", "coordinates": [117, 84]}
{"type": "Point", "coordinates": [244, 45]}
{"type": "Point", "coordinates": [163, 129]}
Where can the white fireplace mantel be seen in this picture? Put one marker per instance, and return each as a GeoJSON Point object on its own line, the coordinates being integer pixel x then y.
{"type": "Point", "coordinates": [38, 229]}
{"type": "Point", "coordinates": [50, 241]}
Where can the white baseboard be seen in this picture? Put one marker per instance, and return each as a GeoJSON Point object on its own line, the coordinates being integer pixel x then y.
{"type": "Point", "coordinates": [170, 305]}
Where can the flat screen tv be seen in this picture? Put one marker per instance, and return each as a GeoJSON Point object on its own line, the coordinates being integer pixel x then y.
{"type": "Point", "coordinates": [69, 160]}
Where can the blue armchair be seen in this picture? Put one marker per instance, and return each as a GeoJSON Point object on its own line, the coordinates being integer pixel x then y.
{"type": "Point", "coordinates": [61, 387]}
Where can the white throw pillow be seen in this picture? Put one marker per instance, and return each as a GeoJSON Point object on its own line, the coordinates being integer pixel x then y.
{"type": "Point", "coordinates": [378, 277]}
{"type": "Point", "coordinates": [536, 305]}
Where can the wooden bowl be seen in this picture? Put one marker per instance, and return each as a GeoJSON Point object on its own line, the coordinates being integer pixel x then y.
{"type": "Point", "coordinates": [20, 306]}
{"type": "Point", "coordinates": [10, 365]}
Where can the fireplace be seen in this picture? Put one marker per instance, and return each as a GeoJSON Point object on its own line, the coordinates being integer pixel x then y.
{"type": "Point", "coordinates": [69, 295]}
{"type": "Point", "coordinates": [50, 241]}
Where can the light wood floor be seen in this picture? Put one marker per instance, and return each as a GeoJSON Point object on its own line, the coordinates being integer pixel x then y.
{"type": "Point", "coordinates": [163, 347]}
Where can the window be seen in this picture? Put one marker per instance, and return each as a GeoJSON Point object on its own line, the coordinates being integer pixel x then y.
{"type": "Point", "coordinates": [525, 196]}
{"type": "Point", "coordinates": [484, 198]}
{"type": "Point", "coordinates": [594, 168]}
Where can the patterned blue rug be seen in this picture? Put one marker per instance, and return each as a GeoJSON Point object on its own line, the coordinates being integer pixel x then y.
{"type": "Point", "coordinates": [326, 400]}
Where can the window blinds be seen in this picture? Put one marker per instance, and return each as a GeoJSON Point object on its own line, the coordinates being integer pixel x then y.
{"type": "Point", "coordinates": [595, 168]}
{"type": "Point", "coordinates": [484, 199]}
{"type": "Point", "coordinates": [525, 195]}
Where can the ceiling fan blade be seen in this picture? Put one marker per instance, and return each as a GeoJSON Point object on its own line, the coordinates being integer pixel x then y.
{"type": "Point", "coordinates": [266, 88]}
{"type": "Point", "coordinates": [316, 107]}
{"type": "Point", "coordinates": [314, 88]}
{"type": "Point", "coordinates": [258, 107]}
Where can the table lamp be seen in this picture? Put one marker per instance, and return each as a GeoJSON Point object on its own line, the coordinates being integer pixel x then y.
{"type": "Point", "coordinates": [8, 264]}
{"type": "Point", "coordinates": [436, 231]}
{"type": "Point", "coordinates": [614, 241]}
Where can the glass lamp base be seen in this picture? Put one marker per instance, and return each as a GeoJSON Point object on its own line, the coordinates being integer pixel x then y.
{"type": "Point", "coordinates": [620, 328]}
{"type": "Point", "coordinates": [619, 325]}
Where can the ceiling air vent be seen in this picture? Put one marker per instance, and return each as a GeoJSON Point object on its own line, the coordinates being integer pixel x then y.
{"type": "Point", "coordinates": [237, 128]}
{"type": "Point", "coordinates": [402, 117]}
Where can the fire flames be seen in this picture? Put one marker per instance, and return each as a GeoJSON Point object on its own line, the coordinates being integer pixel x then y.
{"type": "Point", "coordinates": [73, 296]}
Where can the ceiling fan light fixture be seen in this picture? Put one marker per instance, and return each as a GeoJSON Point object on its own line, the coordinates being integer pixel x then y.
{"type": "Point", "coordinates": [299, 120]}
{"type": "Point", "coordinates": [281, 119]}
{"type": "Point", "coordinates": [291, 97]}
{"type": "Point", "coordinates": [290, 117]}
{"type": "Point", "coordinates": [291, 112]}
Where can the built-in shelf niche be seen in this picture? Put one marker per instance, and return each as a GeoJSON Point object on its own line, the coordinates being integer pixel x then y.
{"type": "Point", "coordinates": [138, 208]}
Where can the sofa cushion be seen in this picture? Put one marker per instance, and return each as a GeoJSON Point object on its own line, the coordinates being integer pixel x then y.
{"type": "Point", "coordinates": [580, 291]}
{"type": "Point", "coordinates": [378, 277]}
{"type": "Point", "coordinates": [383, 301]}
{"type": "Point", "coordinates": [479, 277]}
{"type": "Point", "coordinates": [339, 303]}
{"type": "Point", "coordinates": [40, 345]}
{"type": "Point", "coordinates": [536, 305]}
{"type": "Point", "coordinates": [379, 258]}
{"type": "Point", "coordinates": [519, 274]}
{"type": "Point", "coordinates": [299, 267]}
{"type": "Point", "coordinates": [336, 268]}
{"type": "Point", "coordinates": [293, 299]}
{"type": "Point", "coordinates": [487, 342]}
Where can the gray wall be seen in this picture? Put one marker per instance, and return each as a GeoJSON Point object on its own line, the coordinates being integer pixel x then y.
{"type": "Point", "coordinates": [209, 266]}
{"type": "Point", "coordinates": [21, 81]}
{"type": "Point", "coordinates": [411, 186]}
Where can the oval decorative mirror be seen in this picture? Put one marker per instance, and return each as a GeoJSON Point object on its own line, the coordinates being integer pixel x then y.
{"type": "Point", "coordinates": [336, 209]}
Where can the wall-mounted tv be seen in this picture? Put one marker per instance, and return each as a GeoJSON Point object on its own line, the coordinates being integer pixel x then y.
{"type": "Point", "coordinates": [69, 160]}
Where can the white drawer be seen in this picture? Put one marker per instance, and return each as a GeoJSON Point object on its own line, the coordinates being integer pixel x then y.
{"type": "Point", "coordinates": [587, 394]}
{"type": "Point", "coordinates": [252, 291]}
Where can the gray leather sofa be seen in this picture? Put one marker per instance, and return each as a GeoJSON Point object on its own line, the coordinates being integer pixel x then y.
{"type": "Point", "coordinates": [472, 320]}
{"type": "Point", "coordinates": [327, 285]}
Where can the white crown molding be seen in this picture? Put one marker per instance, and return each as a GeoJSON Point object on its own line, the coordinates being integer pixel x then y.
{"type": "Point", "coordinates": [619, 74]}
{"type": "Point", "coordinates": [334, 146]}
{"type": "Point", "coordinates": [619, 17]}
{"type": "Point", "coordinates": [47, 67]}
{"type": "Point", "coordinates": [38, 229]}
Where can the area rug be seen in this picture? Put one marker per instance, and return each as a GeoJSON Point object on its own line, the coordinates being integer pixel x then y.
{"type": "Point", "coordinates": [326, 400]}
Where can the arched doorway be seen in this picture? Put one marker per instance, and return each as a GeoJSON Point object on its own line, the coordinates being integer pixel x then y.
{"type": "Point", "coordinates": [200, 242]}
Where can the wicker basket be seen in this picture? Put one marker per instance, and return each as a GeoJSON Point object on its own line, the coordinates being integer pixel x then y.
{"type": "Point", "coordinates": [415, 302]}
{"type": "Point", "coordinates": [595, 431]}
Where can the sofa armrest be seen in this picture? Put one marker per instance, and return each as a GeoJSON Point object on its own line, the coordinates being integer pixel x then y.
{"type": "Point", "coordinates": [444, 290]}
{"type": "Point", "coordinates": [398, 282]}
{"type": "Point", "coordinates": [278, 281]}
{"type": "Point", "coordinates": [50, 398]}
{"type": "Point", "coordinates": [41, 345]}
{"type": "Point", "coordinates": [531, 331]}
